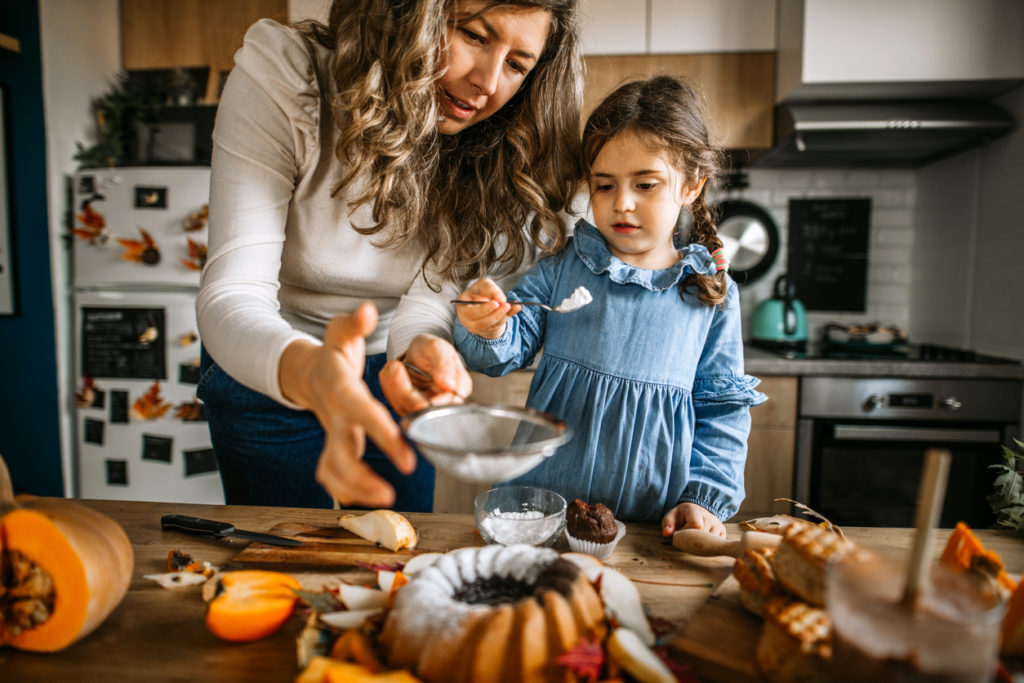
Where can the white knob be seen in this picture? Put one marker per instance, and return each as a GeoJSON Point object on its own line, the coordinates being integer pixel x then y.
{"type": "Point", "coordinates": [951, 403]}
{"type": "Point", "coordinates": [874, 402]}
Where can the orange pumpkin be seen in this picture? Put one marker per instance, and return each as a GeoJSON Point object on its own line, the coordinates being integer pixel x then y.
{"type": "Point", "coordinates": [250, 604]}
{"type": "Point", "coordinates": [64, 568]}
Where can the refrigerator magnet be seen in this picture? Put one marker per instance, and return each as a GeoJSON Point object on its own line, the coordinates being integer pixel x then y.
{"type": "Point", "coordinates": [199, 461]}
{"type": "Point", "coordinates": [190, 412]}
{"type": "Point", "coordinates": [117, 472]}
{"type": "Point", "coordinates": [151, 405]}
{"type": "Point", "coordinates": [144, 251]}
{"type": "Point", "coordinates": [119, 407]}
{"type": "Point", "coordinates": [157, 448]}
{"type": "Point", "coordinates": [189, 373]}
{"type": "Point", "coordinates": [92, 226]}
{"type": "Point", "coordinates": [197, 221]}
{"type": "Point", "coordinates": [89, 396]}
{"type": "Point", "coordinates": [196, 255]}
{"type": "Point", "coordinates": [93, 431]}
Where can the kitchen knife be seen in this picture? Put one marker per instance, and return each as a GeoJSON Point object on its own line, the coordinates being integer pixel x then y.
{"type": "Point", "coordinates": [208, 527]}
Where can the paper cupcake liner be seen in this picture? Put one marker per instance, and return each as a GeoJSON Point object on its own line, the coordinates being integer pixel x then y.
{"type": "Point", "coordinates": [598, 550]}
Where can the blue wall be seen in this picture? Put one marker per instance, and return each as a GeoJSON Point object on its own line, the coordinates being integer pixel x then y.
{"type": "Point", "coordinates": [29, 405]}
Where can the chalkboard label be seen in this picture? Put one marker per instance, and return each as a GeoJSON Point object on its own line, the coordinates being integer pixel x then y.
{"type": "Point", "coordinates": [119, 407]}
{"type": "Point", "coordinates": [200, 461]}
{"type": "Point", "coordinates": [119, 343]}
{"type": "Point", "coordinates": [828, 252]}
{"type": "Point", "coordinates": [94, 431]}
{"type": "Point", "coordinates": [156, 448]}
{"type": "Point", "coordinates": [117, 472]}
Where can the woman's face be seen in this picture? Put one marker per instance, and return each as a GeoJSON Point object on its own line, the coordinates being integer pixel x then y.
{"type": "Point", "coordinates": [488, 59]}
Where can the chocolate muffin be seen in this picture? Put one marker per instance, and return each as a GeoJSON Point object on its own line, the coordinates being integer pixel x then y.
{"type": "Point", "coordinates": [594, 523]}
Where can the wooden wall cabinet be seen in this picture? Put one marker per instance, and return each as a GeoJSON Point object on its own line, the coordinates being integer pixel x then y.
{"type": "Point", "coordinates": [164, 34]}
{"type": "Point", "coordinates": [771, 448]}
{"type": "Point", "coordinates": [738, 86]}
{"type": "Point", "coordinates": [636, 27]}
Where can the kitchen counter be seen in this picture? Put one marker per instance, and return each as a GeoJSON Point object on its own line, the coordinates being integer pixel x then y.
{"type": "Point", "coordinates": [160, 635]}
{"type": "Point", "coordinates": [759, 362]}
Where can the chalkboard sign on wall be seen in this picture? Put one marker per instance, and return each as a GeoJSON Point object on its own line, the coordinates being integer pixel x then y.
{"type": "Point", "coordinates": [828, 252]}
{"type": "Point", "coordinates": [120, 343]}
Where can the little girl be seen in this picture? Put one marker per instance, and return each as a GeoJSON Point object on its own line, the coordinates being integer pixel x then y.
{"type": "Point", "coordinates": [650, 374]}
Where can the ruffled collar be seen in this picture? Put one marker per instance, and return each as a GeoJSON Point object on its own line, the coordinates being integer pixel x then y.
{"type": "Point", "coordinates": [593, 250]}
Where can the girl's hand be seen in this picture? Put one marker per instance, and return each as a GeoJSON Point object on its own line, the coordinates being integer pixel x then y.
{"type": "Point", "coordinates": [691, 516]}
{"type": "Point", "coordinates": [408, 392]}
{"type": "Point", "coordinates": [327, 380]}
{"type": "Point", "coordinates": [488, 319]}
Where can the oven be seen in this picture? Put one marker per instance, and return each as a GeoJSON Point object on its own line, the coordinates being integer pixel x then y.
{"type": "Point", "coordinates": [861, 445]}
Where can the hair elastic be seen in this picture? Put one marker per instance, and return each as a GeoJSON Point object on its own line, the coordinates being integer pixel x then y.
{"type": "Point", "coordinates": [721, 262]}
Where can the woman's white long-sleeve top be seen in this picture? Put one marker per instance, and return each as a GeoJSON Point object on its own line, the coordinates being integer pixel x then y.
{"type": "Point", "coordinates": [283, 255]}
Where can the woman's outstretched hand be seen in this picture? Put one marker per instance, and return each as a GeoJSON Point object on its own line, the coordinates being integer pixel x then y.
{"type": "Point", "coordinates": [408, 392]}
{"type": "Point", "coordinates": [327, 379]}
{"type": "Point", "coordinates": [691, 516]}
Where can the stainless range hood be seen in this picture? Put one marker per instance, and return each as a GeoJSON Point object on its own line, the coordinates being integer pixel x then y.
{"type": "Point", "coordinates": [887, 134]}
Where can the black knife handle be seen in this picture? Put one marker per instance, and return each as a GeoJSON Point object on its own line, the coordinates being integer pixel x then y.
{"type": "Point", "coordinates": [195, 525]}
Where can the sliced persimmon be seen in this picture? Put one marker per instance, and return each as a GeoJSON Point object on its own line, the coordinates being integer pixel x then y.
{"type": "Point", "coordinates": [251, 604]}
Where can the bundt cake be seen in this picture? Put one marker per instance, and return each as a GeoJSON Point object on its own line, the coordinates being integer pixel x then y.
{"type": "Point", "coordinates": [496, 613]}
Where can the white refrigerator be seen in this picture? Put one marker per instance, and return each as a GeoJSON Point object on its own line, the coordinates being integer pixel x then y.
{"type": "Point", "coordinates": [139, 240]}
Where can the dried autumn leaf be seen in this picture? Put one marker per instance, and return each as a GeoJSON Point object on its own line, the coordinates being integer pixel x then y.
{"type": "Point", "coordinates": [196, 255]}
{"type": "Point", "coordinates": [85, 397]}
{"type": "Point", "coordinates": [150, 405]}
{"type": "Point", "coordinates": [197, 220]}
{"type": "Point", "coordinates": [586, 659]}
{"type": "Point", "coordinates": [94, 226]}
{"type": "Point", "coordinates": [190, 412]}
{"type": "Point", "coordinates": [144, 251]}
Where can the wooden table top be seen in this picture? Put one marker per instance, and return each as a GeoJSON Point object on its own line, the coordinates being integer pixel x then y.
{"type": "Point", "coordinates": [160, 635]}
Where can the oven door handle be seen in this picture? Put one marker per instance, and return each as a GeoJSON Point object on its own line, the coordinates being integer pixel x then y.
{"type": "Point", "coordinates": [883, 433]}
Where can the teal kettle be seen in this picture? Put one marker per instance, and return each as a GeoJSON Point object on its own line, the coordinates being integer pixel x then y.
{"type": "Point", "coordinates": [780, 323]}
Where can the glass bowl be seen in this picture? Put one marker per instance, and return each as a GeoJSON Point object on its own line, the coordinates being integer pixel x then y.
{"type": "Point", "coordinates": [519, 514]}
{"type": "Point", "coordinates": [485, 443]}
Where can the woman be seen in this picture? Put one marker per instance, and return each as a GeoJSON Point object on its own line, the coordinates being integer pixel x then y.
{"type": "Point", "coordinates": [403, 143]}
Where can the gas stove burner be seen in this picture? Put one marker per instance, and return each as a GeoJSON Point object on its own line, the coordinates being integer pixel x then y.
{"type": "Point", "coordinates": [931, 353]}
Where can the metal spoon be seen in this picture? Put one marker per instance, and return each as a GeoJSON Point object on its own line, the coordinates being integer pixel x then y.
{"type": "Point", "coordinates": [521, 303]}
{"type": "Point", "coordinates": [579, 298]}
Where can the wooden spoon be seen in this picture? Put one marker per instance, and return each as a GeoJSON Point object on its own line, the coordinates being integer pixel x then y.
{"type": "Point", "coordinates": [697, 542]}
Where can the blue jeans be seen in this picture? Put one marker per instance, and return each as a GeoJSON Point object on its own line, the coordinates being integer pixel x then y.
{"type": "Point", "coordinates": [267, 452]}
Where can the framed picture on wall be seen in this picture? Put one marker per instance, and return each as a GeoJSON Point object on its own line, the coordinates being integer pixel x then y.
{"type": "Point", "coordinates": [7, 299]}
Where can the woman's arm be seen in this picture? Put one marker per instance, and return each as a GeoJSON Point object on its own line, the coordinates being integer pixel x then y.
{"type": "Point", "coordinates": [265, 137]}
{"type": "Point", "coordinates": [267, 118]}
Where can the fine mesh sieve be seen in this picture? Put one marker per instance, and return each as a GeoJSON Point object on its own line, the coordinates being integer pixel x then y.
{"type": "Point", "coordinates": [485, 443]}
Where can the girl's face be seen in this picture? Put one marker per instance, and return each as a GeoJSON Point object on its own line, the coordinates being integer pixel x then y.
{"type": "Point", "coordinates": [636, 196]}
{"type": "Point", "coordinates": [488, 59]}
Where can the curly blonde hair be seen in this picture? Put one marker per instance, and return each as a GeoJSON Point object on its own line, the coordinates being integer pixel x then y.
{"type": "Point", "coordinates": [467, 197]}
{"type": "Point", "coordinates": [666, 113]}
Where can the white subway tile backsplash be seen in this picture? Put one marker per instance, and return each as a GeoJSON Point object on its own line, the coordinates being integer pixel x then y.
{"type": "Point", "coordinates": [891, 218]}
{"type": "Point", "coordinates": [796, 179]}
{"type": "Point", "coordinates": [884, 237]}
{"type": "Point", "coordinates": [868, 179]}
{"type": "Point", "coordinates": [891, 248]}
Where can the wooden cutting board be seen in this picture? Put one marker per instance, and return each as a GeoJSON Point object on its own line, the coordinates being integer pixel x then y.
{"type": "Point", "coordinates": [720, 640]}
{"type": "Point", "coordinates": [333, 548]}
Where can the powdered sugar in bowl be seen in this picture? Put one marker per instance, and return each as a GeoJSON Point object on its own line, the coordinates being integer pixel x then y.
{"type": "Point", "coordinates": [519, 514]}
